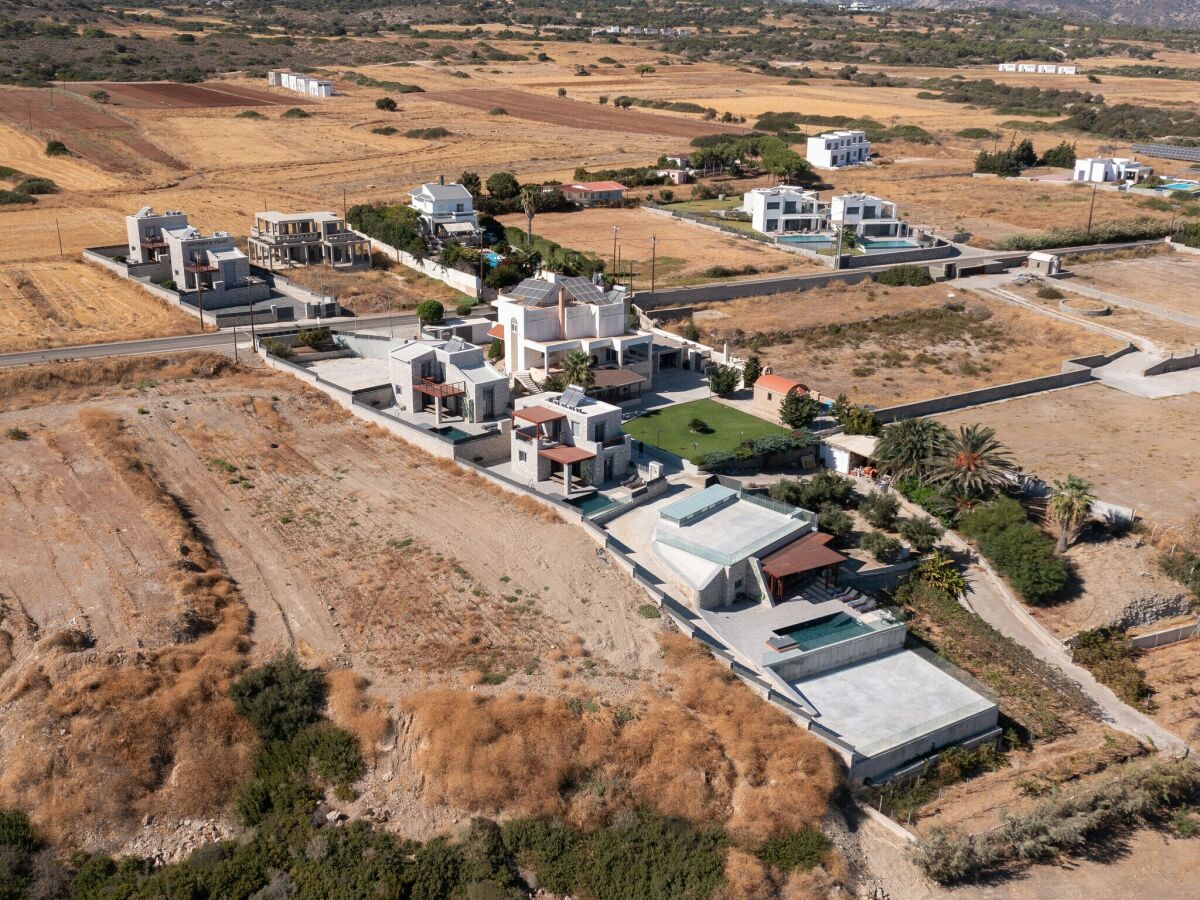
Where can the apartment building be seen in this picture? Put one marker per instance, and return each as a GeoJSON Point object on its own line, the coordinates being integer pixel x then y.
{"type": "Point", "coordinates": [282, 240]}
{"type": "Point", "coordinates": [835, 149]}
{"type": "Point", "coordinates": [869, 216]}
{"type": "Point", "coordinates": [449, 378]}
{"type": "Point", "coordinates": [569, 438]}
{"type": "Point", "coordinates": [301, 84]}
{"type": "Point", "coordinates": [541, 320]}
{"type": "Point", "coordinates": [785, 209]}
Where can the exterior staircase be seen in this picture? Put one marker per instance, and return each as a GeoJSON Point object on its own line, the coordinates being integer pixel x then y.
{"type": "Point", "coordinates": [525, 380]}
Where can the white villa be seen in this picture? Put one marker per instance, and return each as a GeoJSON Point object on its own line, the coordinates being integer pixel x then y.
{"type": "Point", "coordinates": [1107, 169]}
{"type": "Point", "coordinates": [447, 210]}
{"type": "Point", "coordinates": [570, 438]}
{"type": "Point", "coordinates": [835, 149]}
{"type": "Point", "coordinates": [301, 84]}
{"type": "Point", "coordinates": [541, 320]}
{"type": "Point", "coordinates": [304, 239]}
{"type": "Point", "coordinates": [449, 378]}
{"type": "Point", "coordinates": [146, 231]}
{"type": "Point", "coordinates": [785, 209]}
{"type": "Point", "coordinates": [869, 216]}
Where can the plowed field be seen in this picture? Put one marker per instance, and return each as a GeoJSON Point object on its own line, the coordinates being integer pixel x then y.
{"type": "Point", "coordinates": [165, 95]}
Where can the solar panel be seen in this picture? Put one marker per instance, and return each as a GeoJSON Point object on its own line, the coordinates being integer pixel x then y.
{"type": "Point", "coordinates": [533, 290]}
{"type": "Point", "coordinates": [582, 290]}
{"type": "Point", "coordinates": [1169, 151]}
{"type": "Point", "coordinates": [570, 397]}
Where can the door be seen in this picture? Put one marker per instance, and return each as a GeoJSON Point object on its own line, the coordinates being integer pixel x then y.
{"type": "Point", "coordinates": [608, 468]}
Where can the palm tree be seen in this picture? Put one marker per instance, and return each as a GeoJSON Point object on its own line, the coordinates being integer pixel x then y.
{"type": "Point", "coordinates": [1070, 507]}
{"type": "Point", "coordinates": [973, 464]}
{"type": "Point", "coordinates": [577, 369]}
{"type": "Point", "coordinates": [910, 448]}
{"type": "Point", "coordinates": [939, 571]}
{"type": "Point", "coordinates": [529, 200]}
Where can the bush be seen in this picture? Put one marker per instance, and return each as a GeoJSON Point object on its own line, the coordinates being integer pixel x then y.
{"type": "Point", "coordinates": [100, 96]}
{"type": "Point", "coordinates": [498, 111]}
{"type": "Point", "coordinates": [495, 350]}
{"type": "Point", "coordinates": [977, 134]}
{"type": "Point", "coordinates": [279, 698]}
{"type": "Point", "coordinates": [56, 148]}
{"type": "Point", "coordinates": [17, 434]}
{"type": "Point", "coordinates": [387, 104]}
{"type": "Point", "coordinates": [880, 510]}
{"type": "Point", "coordinates": [1109, 655]}
{"type": "Point", "coordinates": [724, 381]}
{"type": "Point", "coordinates": [249, 114]}
{"type": "Point", "coordinates": [428, 134]}
{"type": "Point", "coordinates": [1020, 550]}
{"type": "Point", "coordinates": [1060, 157]}
{"type": "Point", "coordinates": [277, 348]}
{"type": "Point", "coordinates": [295, 113]}
{"type": "Point", "coordinates": [36, 186]}
{"type": "Point", "coordinates": [836, 521]}
{"type": "Point", "coordinates": [921, 534]}
{"type": "Point", "coordinates": [1140, 229]}
{"type": "Point", "coordinates": [465, 308]}
{"type": "Point", "coordinates": [804, 849]}
{"type": "Point", "coordinates": [315, 337]}
{"type": "Point", "coordinates": [885, 549]}
{"type": "Point", "coordinates": [430, 312]}
{"type": "Point", "coordinates": [385, 130]}
{"type": "Point", "coordinates": [907, 275]}
{"type": "Point", "coordinates": [1050, 293]}
{"type": "Point", "coordinates": [698, 426]}
{"type": "Point", "coordinates": [12, 198]}
{"type": "Point", "coordinates": [812, 493]}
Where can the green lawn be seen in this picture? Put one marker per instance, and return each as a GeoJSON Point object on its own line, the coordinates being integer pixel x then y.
{"type": "Point", "coordinates": [667, 428]}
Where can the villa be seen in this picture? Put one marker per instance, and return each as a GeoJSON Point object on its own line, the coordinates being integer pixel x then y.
{"type": "Point", "coordinates": [449, 378]}
{"type": "Point", "coordinates": [835, 149]}
{"type": "Point", "coordinates": [585, 193]}
{"type": "Point", "coordinates": [785, 209]}
{"type": "Point", "coordinates": [304, 239]}
{"type": "Point", "coordinates": [1105, 170]}
{"type": "Point", "coordinates": [541, 320]}
{"type": "Point", "coordinates": [209, 272]}
{"type": "Point", "coordinates": [570, 438]}
{"type": "Point", "coordinates": [146, 231]}
{"type": "Point", "coordinates": [869, 216]}
{"type": "Point", "coordinates": [447, 210]}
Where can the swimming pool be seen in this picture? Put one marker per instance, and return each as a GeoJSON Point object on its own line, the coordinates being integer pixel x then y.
{"type": "Point", "coordinates": [1182, 186]}
{"type": "Point", "coordinates": [454, 435]}
{"type": "Point", "coordinates": [871, 244]}
{"type": "Point", "coordinates": [492, 258]}
{"type": "Point", "coordinates": [824, 631]}
{"type": "Point", "coordinates": [816, 241]}
{"type": "Point", "coordinates": [591, 504]}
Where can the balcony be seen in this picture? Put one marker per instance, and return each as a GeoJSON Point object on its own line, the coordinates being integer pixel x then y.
{"type": "Point", "coordinates": [270, 237]}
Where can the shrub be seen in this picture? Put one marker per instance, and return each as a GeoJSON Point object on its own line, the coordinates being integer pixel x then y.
{"type": "Point", "coordinates": [880, 510]}
{"type": "Point", "coordinates": [430, 312]}
{"type": "Point", "coordinates": [977, 134]}
{"type": "Point", "coordinates": [1060, 157]}
{"type": "Point", "coordinates": [812, 493]}
{"type": "Point", "coordinates": [17, 434]}
{"type": "Point", "coordinates": [698, 426]}
{"type": "Point", "coordinates": [804, 849]}
{"type": "Point", "coordinates": [36, 186]}
{"type": "Point", "coordinates": [921, 534]}
{"type": "Point", "coordinates": [724, 380]}
{"type": "Point", "coordinates": [428, 134]}
{"type": "Point", "coordinates": [279, 698]}
{"type": "Point", "coordinates": [907, 275]}
{"type": "Point", "coordinates": [56, 148]}
{"type": "Point", "coordinates": [277, 348]}
{"type": "Point", "coordinates": [1020, 550]}
{"type": "Point", "coordinates": [464, 308]}
{"type": "Point", "coordinates": [885, 549]}
{"type": "Point", "coordinates": [387, 104]}
{"type": "Point", "coordinates": [649, 611]}
{"type": "Point", "coordinates": [249, 114]}
{"type": "Point", "coordinates": [1184, 567]}
{"type": "Point", "coordinates": [315, 337]}
{"type": "Point", "coordinates": [12, 198]}
{"type": "Point", "coordinates": [168, 283]}
{"type": "Point", "coordinates": [1050, 293]}
{"type": "Point", "coordinates": [385, 130]}
{"type": "Point", "coordinates": [100, 96]}
{"type": "Point", "coordinates": [1140, 229]}
{"type": "Point", "coordinates": [1109, 655]}
{"type": "Point", "coordinates": [295, 113]}
{"type": "Point", "coordinates": [495, 350]}
{"type": "Point", "coordinates": [498, 111]}
{"type": "Point", "coordinates": [9, 172]}
{"type": "Point", "coordinates": [836, 521]}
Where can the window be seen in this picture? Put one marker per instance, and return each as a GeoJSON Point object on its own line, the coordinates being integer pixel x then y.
{"type": "Point", "coordinates": [522, 456]}
{"type": "Point", "coordinates": [773, 204]}
{"type": "Point", "coordinates": [599, 432]}
{"type": "Point", "coordinates": [790, 207]}
{"type": "Point", "coordinates": [771, 225]}
{"type": "Point", "coordinates": [574, 429]}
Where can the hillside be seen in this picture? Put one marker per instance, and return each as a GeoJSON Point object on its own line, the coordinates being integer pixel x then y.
{"type": "Point", "coordinates": [1161, 13]}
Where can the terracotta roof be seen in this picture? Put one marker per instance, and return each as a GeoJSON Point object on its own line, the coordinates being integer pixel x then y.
{"type": "Point", "coordinates": [496, 331]}
{"type": "Point", "coordinates": [594, 186]}
{"type": "Point", "coordinates": [538, 414]}
{"type": "Point", "coordinates": [778, 384]}
{"type": "Point", "coordinates": [807, 554]}
{"type": "Point", "coordinates": [604, 379]}
{"type": "Point", "coordinates": [566, 455]}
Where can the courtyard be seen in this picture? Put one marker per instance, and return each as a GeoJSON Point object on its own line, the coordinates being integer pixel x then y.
{"type": "Point", "coordinates": [670, 428]}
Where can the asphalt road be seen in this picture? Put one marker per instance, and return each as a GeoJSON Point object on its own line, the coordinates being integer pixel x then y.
{"type": "Point", "coordinates": [212, 340]}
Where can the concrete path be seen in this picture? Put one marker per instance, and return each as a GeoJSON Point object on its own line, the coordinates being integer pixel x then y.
{"type": "Point", "coordinates": [1125, 374]}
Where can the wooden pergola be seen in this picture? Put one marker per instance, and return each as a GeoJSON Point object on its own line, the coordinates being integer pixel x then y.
{"type": "Point", "coordinates": [808, 555]}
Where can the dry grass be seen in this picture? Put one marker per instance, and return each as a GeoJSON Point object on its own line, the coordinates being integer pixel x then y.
{"type": "Point", "coordinates": [348, 705]}
{"type": "Point", "coordinates": [388, 287]}
{"type": "Point", "coordinates": [1173, 672]}
{"type": "Point", "coordinates": [113, 736]}
{"type": "Point", "coordinates": [706, 749]}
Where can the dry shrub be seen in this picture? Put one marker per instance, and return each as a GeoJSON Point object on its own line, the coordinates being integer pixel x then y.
{"type": "Point", "coordinates": [349, 707]}
{"type": "Point", "coordinates": [815, 884]}
{"type": "Point", "coordinates": [113, 736]}
{"type": "Point", "coordinates": [747, 877]}
{"type": "Point", "coordinates": [37, 385]}
{"type": "Point", "coordinates": [709, 750]}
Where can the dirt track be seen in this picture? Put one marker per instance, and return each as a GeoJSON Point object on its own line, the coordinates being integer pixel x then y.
{"type": "Point", "coordinates": [574, 114]}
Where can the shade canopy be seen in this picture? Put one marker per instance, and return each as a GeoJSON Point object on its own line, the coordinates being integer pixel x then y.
{"type": "Point", "coordinates": [566, 455]}
{"type": "Point", "coordinates": [810, 553]}
{"type": "Point", "coordinates": [538, 415]}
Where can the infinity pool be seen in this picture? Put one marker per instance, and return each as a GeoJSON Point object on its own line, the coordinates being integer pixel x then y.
{"type": "Point", "coordinates": [451, 433]}
{"type": "Point", "coordinates": [824, 631]}
{"type": "Point", "coordinates": [591, 504]}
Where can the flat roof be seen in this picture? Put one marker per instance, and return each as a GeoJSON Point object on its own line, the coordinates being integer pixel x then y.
{"type": "Point", "coordinates": [320, 216]}
{"type": "Point", "coordinates": [861, 444]}
{"type": "Point", "coordinates": [566, 455]}
{"type": "Point", "coordinates": [695, 503]}
{"type": "Point", "coordinates": [352, 373]}
{"type": "Point", "coordinates": [883, 702]}
{"type": "Point", "coordinates": [538, 414]}
{"type": "Point", "coordinates": [735, 529]}
{"type": "Point", "coordinates": [615, 378]}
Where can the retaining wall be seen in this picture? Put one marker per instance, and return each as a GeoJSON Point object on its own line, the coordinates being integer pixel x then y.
{"type": "Point", "coordinates": [1174, 364]}
{"type": "Point", "coordinates": [1166, 636]}
{"type": "Point", "coordinates": [460, 281]}
{"type": "Point", "coordinates": [901, 257]}
{"type": "Point", "coordinates": [732, 290]}
{"type": "Point", "coordinates": [1119, 300]}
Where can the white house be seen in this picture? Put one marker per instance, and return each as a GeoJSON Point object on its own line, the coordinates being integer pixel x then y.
{"type": "Point", "coordinates": [834, 149]}
{"type": "Point", "coordinates": [568, 437]}
{"type": "Point", "coordinates": [1107, 169]}
{"type": "Point", "coordinates": [784, 209]}
{"type": "Point", "coordinates": [1027, 67]}
{"type": "Point", "coordinates": [147, 243]}
{"type": "Point", "coordinates": [450, 378]}
{"type": "Point", "coordinates": [1047, 68]}
{"type": "Point", "coordinates": [541, 320]}
{"type": "Point", "coordinates": [301, 84]}
{"type": "Point", "coordinates": [1068, 70]}
{"type": "Point", "coordinates": [1007, 67]}
{"type": "Point", "coordinates": [869, 216]}
{"type": "Point", "coordinates": [446, 209]}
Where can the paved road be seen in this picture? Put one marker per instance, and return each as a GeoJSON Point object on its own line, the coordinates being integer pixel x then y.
{"type": "Point", "coordinates": [212, 340]}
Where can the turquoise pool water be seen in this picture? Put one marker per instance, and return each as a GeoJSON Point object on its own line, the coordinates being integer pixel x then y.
{"type": "Point", "coordinates": [822, 632]}
{"type": "Point", "coordinates": [492, 258]}
{"type": "Point", "coordinates": [592, 503]}
{"type": "Point", "coordinates": [451, 433]}
{"type": "Point", "coordinates": [815, 240]}
{"type": "Point", "coordinates": [870, 244]}
{"type": "Point", "coordinates": [1182, 186]}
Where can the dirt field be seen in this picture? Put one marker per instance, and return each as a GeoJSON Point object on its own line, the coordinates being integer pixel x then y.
{"type": "Point", "coordinates": [905, 344]}
{"type": "Point", "coordinates": [1137, 452]}
{"type": "Point", "coordinates": [683, 251]}
{"type": "Point", "coordinates": [1170, 281]}
{"type": "Point", "coordinates": [1174, 674]}
{"type": "Point", "coordinates": [148, 95]}
{"type": "Point", "coordinates": [51, 304]}
{"type": "Point", "coordinates": [579, 115]}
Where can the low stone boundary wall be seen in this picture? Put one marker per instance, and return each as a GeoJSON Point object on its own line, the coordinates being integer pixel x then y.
{"type": "Point", "coordinates": [1166, 636]}
{"type": "Point", "coordinates": [460, 281]}
{"type": "Point", "coordinates": [901, 257]}
{"type": "Point", "coordinates": [1174, 364]}
{"type": "Point", "coordinates": [732, 290]}
{"type": "Point", "coordinates": [1118, 300]}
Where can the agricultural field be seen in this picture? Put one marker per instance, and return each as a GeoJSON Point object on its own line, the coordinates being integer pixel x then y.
{"type": "Point", "coordinates": [1136, 452]}
{"type": "Point", "coordinates": [208, 517]}
{"type": "Point", "coordinates": [886, 346]}
{"type": "Point", "coordinates": [51, 304]}
{"type": "Point", "coordinates": [685, 253]}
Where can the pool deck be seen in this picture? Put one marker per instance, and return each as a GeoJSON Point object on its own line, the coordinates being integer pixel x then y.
{"type": "Point", "coordinates": [747, 626]}
{"type": "Point", "coordinates": [353, 373]}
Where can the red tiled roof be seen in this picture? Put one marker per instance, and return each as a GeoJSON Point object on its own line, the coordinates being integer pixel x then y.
{"type": "Point", "coordinates": [566, 455]}
{"type": "Point", "coordinates": [594, 186]}
{"type": "Point", "coordinates": [496, 331]}
{"type": "Point", "coordinates": [538, 414]}
{"type": "Point", "coordinates": [807, 554]}
{"type": "Point", "coordinates": [779, 385]}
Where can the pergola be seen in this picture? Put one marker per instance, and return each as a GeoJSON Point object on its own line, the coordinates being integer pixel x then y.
{"type": "Point", "coordinates": [567, 457]}
{"type": "Point", "coordinates": [439, 391]}
{"type": "Point", "coordinates": [810, 554]}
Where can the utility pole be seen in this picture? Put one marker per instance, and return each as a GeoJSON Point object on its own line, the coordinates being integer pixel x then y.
{"type": "Point", "coordinates": [653, 259]}
{"type": "Point", "coordinates": [235, 355]}
{"type": "Point", "coordinates": [58, 229]}
{"type": "Point", "coordinates": [343, 203]}
{"type": "Point", "coordinates": [1092, 209]}
{"type": "Point", "coordinates": [837, 261]}
{"type": "Point", "coordinates": [616, 228]}
{"type": "Point", "coordinates": [29, 111]}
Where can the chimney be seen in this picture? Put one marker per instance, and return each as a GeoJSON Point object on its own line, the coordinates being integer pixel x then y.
{"type": "Point", "coordinates": [442, 179]}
